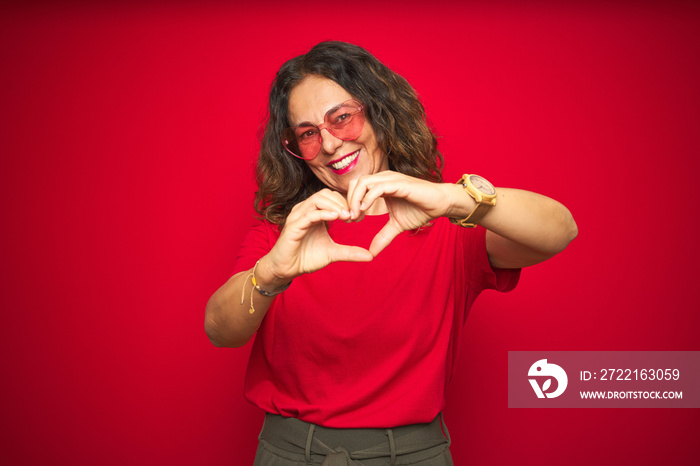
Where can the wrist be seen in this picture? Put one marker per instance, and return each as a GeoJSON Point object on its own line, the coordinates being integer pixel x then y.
{"type": "Point", "coordinates": [483, 194]}
{"type": "Point", "coordinates": [267, 276]}
{"type": "Point", "coordinates": [459, 205]}
{"type": "Point", "coordinates": [257, 287]}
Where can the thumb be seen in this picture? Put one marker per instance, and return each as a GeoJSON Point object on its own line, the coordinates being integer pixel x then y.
{"type": "Point", "coordinates": [383, 238]}
{"type": "Point", "coordinates": [342, 253]}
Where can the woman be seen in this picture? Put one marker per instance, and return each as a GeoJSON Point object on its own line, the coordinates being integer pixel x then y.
{"type": "Point", "coordinates": [352, 359]}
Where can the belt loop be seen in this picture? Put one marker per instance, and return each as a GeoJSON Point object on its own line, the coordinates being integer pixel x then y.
{"type": "Point", "coordinates": [392, 446]}
{"type": "Point", "coordinates": [309, 438]}
{"type": "Point", "coordinates": [444, 428]}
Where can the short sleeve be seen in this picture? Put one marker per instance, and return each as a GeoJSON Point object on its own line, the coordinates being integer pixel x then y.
{"type": "Point", "coordinates": [482, 275]}
{"type": "Point", "coordinates": [256, 243]}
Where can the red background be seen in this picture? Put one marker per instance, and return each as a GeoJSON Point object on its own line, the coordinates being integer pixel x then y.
{"type": "Point", "coordinates": [127, 141]}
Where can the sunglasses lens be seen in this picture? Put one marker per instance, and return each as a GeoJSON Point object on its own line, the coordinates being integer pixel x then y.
{"type": "Point", "coordinates": [344, 122]}
{"type": "Point", "coordinates": [302, 141]}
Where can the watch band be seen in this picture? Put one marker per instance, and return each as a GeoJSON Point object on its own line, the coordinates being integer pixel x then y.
{"type": "Point", "coordinates": [483, 200]}
{"type": "Point", "coordinates": [474, 216]}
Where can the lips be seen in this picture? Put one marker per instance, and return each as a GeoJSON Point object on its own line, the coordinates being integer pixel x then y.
{"type": "Point", "coordinates": [345, 164]}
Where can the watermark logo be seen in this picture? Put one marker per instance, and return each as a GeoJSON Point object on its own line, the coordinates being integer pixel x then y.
{"type": "Point", "coordinates": [543, 369]}
{"type": "Point", "coordinates": [603, 379]}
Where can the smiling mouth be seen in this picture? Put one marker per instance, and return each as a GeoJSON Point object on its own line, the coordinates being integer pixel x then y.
{"type": "Point", "coordinates": [345, 161]}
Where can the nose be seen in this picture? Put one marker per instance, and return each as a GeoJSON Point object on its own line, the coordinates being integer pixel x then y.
{"type": "Point", "coordinates": [329, 143]}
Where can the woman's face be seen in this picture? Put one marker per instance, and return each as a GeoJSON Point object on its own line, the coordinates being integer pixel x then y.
{"type": "Point", "coordinates": [308, 102]}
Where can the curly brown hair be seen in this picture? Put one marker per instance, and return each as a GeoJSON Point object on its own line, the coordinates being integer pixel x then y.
{"type": "Point", "coordinates": [391, 107]}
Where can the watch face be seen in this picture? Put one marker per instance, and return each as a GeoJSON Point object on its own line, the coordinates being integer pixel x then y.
{"type": "Point", "coordinates": [482, 185]}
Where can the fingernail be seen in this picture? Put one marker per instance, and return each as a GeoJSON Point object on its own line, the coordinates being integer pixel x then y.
{"type": "Point", "coordinates": [345, 213]}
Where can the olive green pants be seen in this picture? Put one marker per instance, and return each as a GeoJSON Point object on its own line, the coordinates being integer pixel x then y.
{"type": "Point", "coordinates": [290, 442]}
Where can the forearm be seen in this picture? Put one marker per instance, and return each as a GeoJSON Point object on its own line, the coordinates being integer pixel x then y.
{"type": "Point", "coordinates": [532, 220]}
{"type": "Point", "coordinates": [526, 227]}
{"type": "Point", "coordinates": [228, 322]}
{"type": "Point", "coordinates": [303, 246]}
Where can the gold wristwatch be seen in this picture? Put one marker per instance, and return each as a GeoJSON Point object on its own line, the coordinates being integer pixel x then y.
{"type": "Point", "coordinates": [483, 193]}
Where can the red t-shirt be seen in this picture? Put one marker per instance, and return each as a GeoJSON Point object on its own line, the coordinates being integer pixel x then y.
{"type": "Point", "coordinates": [369, 344]}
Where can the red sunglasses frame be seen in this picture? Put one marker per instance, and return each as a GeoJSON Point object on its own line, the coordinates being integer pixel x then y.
{"type": "Point", "coordinates": [290, 132]}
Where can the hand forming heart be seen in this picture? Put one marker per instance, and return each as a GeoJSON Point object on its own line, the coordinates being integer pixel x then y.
{"type": "Point", "coordinates": [304, 245]}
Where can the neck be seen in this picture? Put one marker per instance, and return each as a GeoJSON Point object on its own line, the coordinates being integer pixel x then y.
{"type": "Point", "coordinates": [378, 208]}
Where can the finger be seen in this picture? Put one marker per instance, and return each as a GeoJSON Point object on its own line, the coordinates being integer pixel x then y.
{"type": "Point", "coordinates": [351, 189]}
{"type": "Point", "coordinates": [330, 195]}
{"type": "Point", "coordinates": [317, 216]}
{"type": "Point", "coordinates": [323, 200]}
{"type": "Point", "coordinates": [376, 191]}
{"type": "Point", "coordinates": [330, 200]}
{"type": "Point", "coordinates": [301, 223]}
{"type": "Point", "coordinates": [383, 238]}
{"type": "Point", "coordinates": [354, 195]}
{"type": "Point", "coordinates": [371, 187]}
{"type": "Point", "coordinates": [342, 253]}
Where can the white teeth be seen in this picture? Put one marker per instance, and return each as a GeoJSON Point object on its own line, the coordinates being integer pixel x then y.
{"type": "Point", "coordinates": [345, 162]}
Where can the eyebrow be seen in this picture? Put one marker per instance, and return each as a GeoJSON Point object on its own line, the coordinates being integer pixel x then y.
{"type": "Point", "coordinates": [308, 123]}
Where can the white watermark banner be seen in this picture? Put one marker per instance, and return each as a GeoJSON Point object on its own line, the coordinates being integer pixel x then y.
{"type": "Point", "coordinates": [604, 379]}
